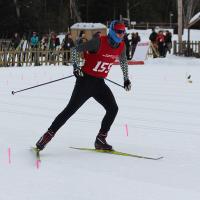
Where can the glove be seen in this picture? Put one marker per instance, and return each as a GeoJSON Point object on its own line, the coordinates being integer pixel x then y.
{"type": "Point", "coordinates": [127, 85]}
{"type": "Point", "coordinates": [78, 72]}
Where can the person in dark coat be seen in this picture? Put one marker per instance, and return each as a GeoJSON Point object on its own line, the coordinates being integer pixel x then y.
{"type": "Point", "coordinates": [153, 44]}
{"type": "Point", "coordinates": [134, 41]}
{"type": "Point", "coordinates": [127, 43]}
{"type": "Point", "coordinates": [66, 45]}
{"type": "Point", "coordinates": [82, 37]}
{"type": "Point", "coordinates": [54, 43]}
{"type": "Point", "coordinates": [15, 41]}
{"type": "Point", "coordinates": [168, 42]}
{"type": "Point", "coordinates": [97, 34]}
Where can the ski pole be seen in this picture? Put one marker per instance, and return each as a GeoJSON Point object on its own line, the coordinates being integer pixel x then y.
{"type": "Point", "coordinates": [114, 82]}
{"type": "Point", "coordinates": [13, 92]}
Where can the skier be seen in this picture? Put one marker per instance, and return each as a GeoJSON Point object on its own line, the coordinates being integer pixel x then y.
{"type": "Point", "coordinates": [100, 53]}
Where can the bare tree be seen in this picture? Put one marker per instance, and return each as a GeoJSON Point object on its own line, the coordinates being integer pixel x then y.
{"type": "Point", "coordinates": [180, 24]}
{"type": "Point", "coordinates": [133, 5]}
{"type": "Point", "coordinates": [74, 11]}
{"type": "Point", "coordinates": [17, 8]}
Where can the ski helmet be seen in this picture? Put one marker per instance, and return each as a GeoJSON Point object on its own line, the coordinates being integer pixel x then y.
{"type": "Point", "coordinates": [116, 27]}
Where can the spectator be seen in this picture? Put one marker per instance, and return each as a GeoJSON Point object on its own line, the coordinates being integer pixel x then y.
{"type": "Point", "coordinates": [82, 37]}
{"type": "Point", "coordinates": [44, 42]}
{"type": "Point", "coordinates": [34, 41]}
{"type": "Point", "coordinates": [160, 41]}
{"type": "Point", "coordinates": [23, 46]}
{"type": "Point", "coordinates": [134, 41]}
{"type": "Point", "coordinates": [154, 44]}
{"type": "Point", "coordinates": [168, 42]}
{"type": "Point", "coordinates": [67, 44]}
{"type": "Point", "coordinates": [23, 43]}
{"type": "Point", "coordinates": [34, 46]}
{"type": "Point", "coordinates": [15, 41]}
{"type": "Point", "coordinates": [127, 44]}
{"type": "Point", "coordinates": [54, 43]}
{"type": "Point", "coordinates": [97, 34]}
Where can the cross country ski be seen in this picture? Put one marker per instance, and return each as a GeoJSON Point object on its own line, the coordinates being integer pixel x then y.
{"type": "Point", "coordinates": [117, 153]}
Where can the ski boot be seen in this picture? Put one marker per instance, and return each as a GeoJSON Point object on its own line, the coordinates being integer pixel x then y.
{"type": "Point", "coordinates": [100, 142]}
{"type": "Point", "coordinates": [42, 142]}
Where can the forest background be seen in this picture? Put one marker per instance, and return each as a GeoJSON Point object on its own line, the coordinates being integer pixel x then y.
{"type": "Point", "coordinates": [47, 15]}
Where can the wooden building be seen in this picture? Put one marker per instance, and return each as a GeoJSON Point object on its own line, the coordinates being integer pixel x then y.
{"type": "Point", "coordinates": [89, 28]}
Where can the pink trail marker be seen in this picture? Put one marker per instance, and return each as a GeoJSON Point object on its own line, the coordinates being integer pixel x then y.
{"type": "Point", "coordinates": [9, 155]}
{"type": "Point", "coordinates": [37, 162]}
{"type": "Point", "coordinates": [126, 129]}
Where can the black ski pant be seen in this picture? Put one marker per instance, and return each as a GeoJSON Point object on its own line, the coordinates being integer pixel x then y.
{"type": "Point", "coordinates": [85, 88]}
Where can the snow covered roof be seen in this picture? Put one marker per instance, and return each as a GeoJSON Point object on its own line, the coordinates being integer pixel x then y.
{"type": "Point", "coordinates": [194, 18]}
{"type": "Point", "coordinates": [195, 22]}
{"type": "Point", "coordinates": [88, 26]}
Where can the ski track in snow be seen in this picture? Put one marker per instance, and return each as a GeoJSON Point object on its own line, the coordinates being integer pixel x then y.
{"type": "Point", "coordinates": [162, 113]}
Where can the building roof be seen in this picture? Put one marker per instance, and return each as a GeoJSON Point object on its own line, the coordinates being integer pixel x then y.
{"type": "Point", "coordinates": [195, 22]}
{"type": "Point", "coordinates": [88, 26]}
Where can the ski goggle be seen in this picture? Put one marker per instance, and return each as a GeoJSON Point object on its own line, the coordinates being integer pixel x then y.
{"type": "Point", "coordinates": [120, 31]}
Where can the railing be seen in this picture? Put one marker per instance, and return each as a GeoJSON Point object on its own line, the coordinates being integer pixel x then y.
{"type": "Point", "coordinates": [148, 25]}
{"type": "Point", "coordinates": [187, 48]}
{"type": "Point", "coordinates": [34, 57]}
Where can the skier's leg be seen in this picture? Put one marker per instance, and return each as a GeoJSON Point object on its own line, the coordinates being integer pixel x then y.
{"type": "Point", "coordinates": [79, 96]}
{"type": "Point", "coordinates": [106, 99]}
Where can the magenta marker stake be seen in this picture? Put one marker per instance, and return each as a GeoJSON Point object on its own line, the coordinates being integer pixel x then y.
{"type": "Point", "coordinates": [9, 155]}
{"type": "Point", "coordinates": [37, 164]}
{"type": "Point", "coordinates": [126, 128]}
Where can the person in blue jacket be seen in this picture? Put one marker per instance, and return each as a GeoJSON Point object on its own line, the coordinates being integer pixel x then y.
{"type": "Point", "coordinates": [34, 45]}
{"type": "Point", "coordinates": [34, 40]}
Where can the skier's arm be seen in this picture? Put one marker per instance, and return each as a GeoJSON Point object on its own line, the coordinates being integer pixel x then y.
{"type": "Point", "coordinates": [91, 46]}
{"type": "Point", "coordinates": [124, 67]}
{"type": "Point", "coordinates": [124, 64]}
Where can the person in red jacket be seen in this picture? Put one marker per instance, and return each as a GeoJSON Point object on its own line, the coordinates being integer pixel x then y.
{"type": "Point", "coordinates": [99, 53]}
{"type": "Point", "coordinates": [161, 43]}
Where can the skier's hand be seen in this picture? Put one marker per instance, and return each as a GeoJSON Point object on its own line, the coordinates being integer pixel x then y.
{"type": "Point", "coordinates": [78, 72]}
{"type": "Point", "coordinates": [127, 85]}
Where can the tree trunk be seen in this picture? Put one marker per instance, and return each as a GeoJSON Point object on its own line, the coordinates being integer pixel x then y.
{"type": "Point", "coordinates": [74, 11]}
{"type": "Point", "coordinates": [180, 24]}
{"type": "Point", "coordinates": [17, 8]}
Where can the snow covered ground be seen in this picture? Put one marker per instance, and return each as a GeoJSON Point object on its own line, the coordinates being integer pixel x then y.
{"type": "Point", "coordinates": [162, 113]}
